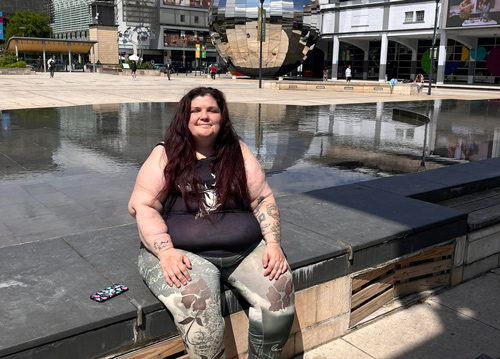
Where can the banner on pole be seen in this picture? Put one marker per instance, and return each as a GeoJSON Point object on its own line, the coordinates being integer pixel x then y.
{"type": "Point", "coordinates": [261, 25]}
{"type": "Point", "coordinates": [1, 26]}
{"type": "Point", "coordinates": [197, 54]}
{"type": "Point", "coordinates": [204, 52]}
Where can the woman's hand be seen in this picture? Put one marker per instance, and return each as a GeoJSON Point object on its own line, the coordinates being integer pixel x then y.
{"type": "Point", "coordinates": [175, 265]}
{"type": "Point", "coordinates": [274, 261]}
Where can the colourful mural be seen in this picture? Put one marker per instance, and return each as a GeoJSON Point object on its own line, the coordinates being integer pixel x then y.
{"type": "Point", "coordinates": [492, 60]}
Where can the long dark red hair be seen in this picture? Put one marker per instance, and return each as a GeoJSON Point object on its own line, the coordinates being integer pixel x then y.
{"type": "Point", "coordinates": [227, 164]}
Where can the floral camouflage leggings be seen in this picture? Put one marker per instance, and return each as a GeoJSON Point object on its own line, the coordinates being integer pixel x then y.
{"type": "Point", "coordinates": [196, 307]}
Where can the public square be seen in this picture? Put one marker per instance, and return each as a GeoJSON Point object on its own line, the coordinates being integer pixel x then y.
{"type": "Point", "coordinates": [62, 178]}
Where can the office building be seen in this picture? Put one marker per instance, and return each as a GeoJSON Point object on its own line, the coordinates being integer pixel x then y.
{"type": "Point", "coordinates": [393, 39]}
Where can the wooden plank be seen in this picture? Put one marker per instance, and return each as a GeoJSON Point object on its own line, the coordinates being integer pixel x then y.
{"type": "Point", "coordinates": [422, 285]}
{"type": "Point", "coordinates": [366, 293]}
{"type": "Point", "coordinates": [431, 254]}
{"type": "Point", "coordinates": [367, 309]}
{"type": "Point", "coordinates": [403, 264]}
{"type": "Point", "coordinates": [422, 269]}
{"type": "Point", "coordinates": [362, 279]}
{"type": "Point", "coordinates": [157, 351]}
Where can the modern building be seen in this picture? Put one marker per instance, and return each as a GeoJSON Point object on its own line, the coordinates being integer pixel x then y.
{"type": "Point", "coordinates": [87, 20]}
{"type": "Point", "coordinates": [178, 26]}
{"type": "Point", "coordinates": [393, 39]}
{"type": "Point", "coordinates": [9, 7]}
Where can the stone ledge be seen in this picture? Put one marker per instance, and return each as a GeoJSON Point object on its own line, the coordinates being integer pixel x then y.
{"type": "Point", "coordinates": [343, 230]}
{"type": "Point", "coordinates": [343, 86]}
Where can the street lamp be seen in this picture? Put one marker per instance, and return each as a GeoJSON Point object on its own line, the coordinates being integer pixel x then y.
{"type": "Point", "coordinates": [432, 47]}
{"type": "Point", "coordinates": [97, 34]}
{"type": "Point", "coordinates": [261, 16]}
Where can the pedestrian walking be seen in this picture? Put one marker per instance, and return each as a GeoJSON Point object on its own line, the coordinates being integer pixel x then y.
{"type": "Point", "coordinates": [348, 73]}
{"type": "Point", "coordinates": [169, 69]}
{"type": "Point", "coordinates": [134, 69]}
{"type": "Point", "coordinates": [213, 71]}
{"type": "Point", "coordinates": [39, 63]}
{"type": "Point", "coordinates": [51, 64]}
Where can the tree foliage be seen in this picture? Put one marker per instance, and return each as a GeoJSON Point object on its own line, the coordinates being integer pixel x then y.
{"type": "Point", "coordinates": [28, 23]}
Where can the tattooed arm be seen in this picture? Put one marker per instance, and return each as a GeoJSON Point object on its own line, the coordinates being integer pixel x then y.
{"type": "Point", "coordinates": [266, 211]}
{"type": "Point", "coordinates": [146, 209]}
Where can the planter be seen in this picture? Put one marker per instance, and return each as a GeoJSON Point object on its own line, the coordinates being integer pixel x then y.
{"type": "Point", "coordinates": [15, 71]}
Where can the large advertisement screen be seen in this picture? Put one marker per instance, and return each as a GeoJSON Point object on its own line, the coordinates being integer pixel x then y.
{"type": "Point", "coordinates": [185, 38]}
{"type": "Point", "coordinates": [462, 13]}
{"type": "Point", "coordinates": [191, 3]}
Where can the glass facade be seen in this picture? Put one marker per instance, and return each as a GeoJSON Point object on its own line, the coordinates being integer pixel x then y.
{"type": "Point", "coordinates": [9, 7]}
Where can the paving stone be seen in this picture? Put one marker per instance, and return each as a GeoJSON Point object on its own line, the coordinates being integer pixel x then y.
{"type": "Point", "coordinates": [481, 170]}
{"type": "Point", "coordinates": [407, 186]}
{"type": "Point", "coordinates": [337, 349]}
{"type": "Point", "coordinates": [46, 289]}
{"type": "Point", "coordinates": [24, 210]}
{"type": "Point", "coordinates": [304, 247]}
{"type": "Point", "coordinates": [339, 222]}
{"type": "Point", "coordinates": [477, 299]}
{"type": "Point", "coordinates": [39, 227]}
{"type": "Point", "coordinates": [114, 253]}
{"type": "Point", "coordinates": [429, 330]}
{"type": "Point", "coordinates": [39, 188]}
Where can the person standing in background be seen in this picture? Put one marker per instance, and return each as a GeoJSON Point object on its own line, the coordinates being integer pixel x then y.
{"type": "Point", "coordinates": [348, 73]}
{"type": "Point", "coordinates": [134, 69]}
{"type": "Point", "coordinates": [169, 70]}
{"type": "Point", "coordinates": [51, 64]}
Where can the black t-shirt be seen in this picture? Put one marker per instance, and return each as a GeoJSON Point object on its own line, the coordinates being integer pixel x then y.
{"type": "Point", "coordinates": [222, 232]}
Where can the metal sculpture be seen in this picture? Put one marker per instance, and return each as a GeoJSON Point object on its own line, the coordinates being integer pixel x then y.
{"type": "Point", "coordinates": [291, 30]}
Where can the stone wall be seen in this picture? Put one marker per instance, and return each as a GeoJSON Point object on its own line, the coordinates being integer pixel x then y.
{"type": "Point", "coordinates": [16, 71]}
{"type": "Point", "coordinates": [106, 51]}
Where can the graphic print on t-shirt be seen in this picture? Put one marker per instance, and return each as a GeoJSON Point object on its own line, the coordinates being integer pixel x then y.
{"type": "Point", "coordinates": [210, 199]}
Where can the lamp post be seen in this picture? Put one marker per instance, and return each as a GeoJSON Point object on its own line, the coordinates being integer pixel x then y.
{"type": "Point", "coordinates": [261, 15]}
{"type": "Point", "coordinates": [97, 34]}
{"type": "Point", "coordinates": [432, 47]}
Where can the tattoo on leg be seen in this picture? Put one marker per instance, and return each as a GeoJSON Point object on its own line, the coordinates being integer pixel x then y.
{"type": "Point", "coordinates": [161, 244]}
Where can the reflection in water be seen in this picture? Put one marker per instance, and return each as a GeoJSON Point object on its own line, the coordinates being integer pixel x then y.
{"type": "Point", "coordinates": [300, 148]}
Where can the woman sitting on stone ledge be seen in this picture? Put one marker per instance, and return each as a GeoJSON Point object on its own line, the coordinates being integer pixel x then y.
{"type": "Point", "coordinates": [205, 212]}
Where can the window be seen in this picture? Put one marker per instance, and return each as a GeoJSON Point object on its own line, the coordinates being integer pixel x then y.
{"type": "Point", "coordinates": [420, 15]}
{"type": "Point", "coordinates": [409, 16]}
{"type": "Point", "coordinates": [196, 19]}
{"type": "Point", "coordinates": [183, 18]}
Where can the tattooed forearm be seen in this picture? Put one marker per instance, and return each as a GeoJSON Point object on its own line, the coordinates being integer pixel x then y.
{"type": "Point", "coordinates": [161, 244]}
{"type": "Point", "coordinates": [260, 201]}
{"type": "Point", "coordinates": [272, 210]}
{"type": "Point", "coordinates": [276, 229]}
{"type": "Point", "coordinates": [268, 216]}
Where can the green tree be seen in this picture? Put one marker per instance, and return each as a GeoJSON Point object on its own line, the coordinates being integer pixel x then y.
{"type": "Point", "coordinates": [28, 23]}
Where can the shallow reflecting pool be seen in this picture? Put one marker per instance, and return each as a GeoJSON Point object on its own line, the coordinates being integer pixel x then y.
{"type": "Point", "coordinates": [300, 148]}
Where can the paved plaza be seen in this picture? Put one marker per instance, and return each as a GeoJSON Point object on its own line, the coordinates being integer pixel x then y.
{"type": "Point", "coordinates": [462, 322]}
{"type": "Point", "coordinates": [71, 89]}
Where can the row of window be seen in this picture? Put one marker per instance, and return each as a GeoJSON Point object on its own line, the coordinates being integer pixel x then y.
{"type": "Point", "coordinates": [196, 19]}
{"type": "Point", "coordinates": [72, 35]}
{"type": "Point", "coordinates": [414, 16]}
